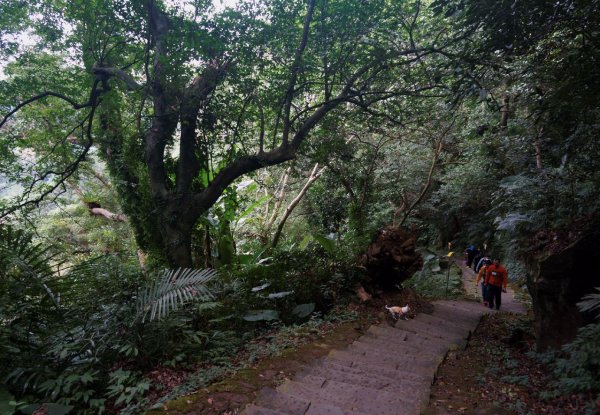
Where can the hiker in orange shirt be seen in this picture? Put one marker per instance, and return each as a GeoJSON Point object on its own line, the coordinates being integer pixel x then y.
{"type": "Point", "coordinates": [481, 277]}
{"type": "Point", "coordinates": [496, 278]}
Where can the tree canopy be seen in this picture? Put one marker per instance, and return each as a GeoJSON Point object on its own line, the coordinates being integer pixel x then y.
{"type": "Point", "coordinates": [273, 140]}
{"type": "Point", "coordinates": [180, 102]}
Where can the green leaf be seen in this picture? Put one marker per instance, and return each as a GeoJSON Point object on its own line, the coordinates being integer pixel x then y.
{"type": "Point", "coordinates": [279, 295]}
{"type": "Point", "coordinates": [260, 287]}
{"type": "Point", "coordinates": [172, 289]}
{"type": "Point", "coordinates": [590, 302]}
{"type": "Point", "coordinates": [259, 315]}
{"type": "Point", "coordinates": [305, 241]}
{"type": "Point", "coordinates": [6, 403]}
{"type": "Point", "coordinates": [253, 206]}
{"type": "Point", "coordinates": [245, 259]}
{"type": "Point", "coordinates": [326, 243]}
{"type": "Point", "coordinates": [303, 310]}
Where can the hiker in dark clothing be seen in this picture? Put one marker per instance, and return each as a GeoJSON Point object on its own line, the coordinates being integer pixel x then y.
{"type": "Point", "coordinates": [470, 253]}
{"type": "Point", "coordinates": [481, 261]}
{"type": "Point", "coordinates": [477, 258]}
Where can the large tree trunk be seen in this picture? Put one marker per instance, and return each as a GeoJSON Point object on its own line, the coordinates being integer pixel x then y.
{"type": "Point", "coordinates": [176, 223]}
{"type": "Point", "coordinates": [558, 278]}
{"type": "Point", "coordinates": [178, 245]}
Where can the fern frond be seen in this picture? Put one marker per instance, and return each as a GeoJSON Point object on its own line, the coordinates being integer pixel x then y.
{"type": "Point", "coordinates": [18, 252]}
{"type": "Point", "coordinates": [172, 289]}
{"type": "Point", "coordinates": [590, 302]}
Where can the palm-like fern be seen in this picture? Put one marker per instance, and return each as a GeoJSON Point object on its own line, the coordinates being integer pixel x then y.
{"type": "Point", "coordinates": [20, 256]}
{"type": "Point", "coordinates": [174, 288]}
{"type": "Point", "coordinates": [590, 302]}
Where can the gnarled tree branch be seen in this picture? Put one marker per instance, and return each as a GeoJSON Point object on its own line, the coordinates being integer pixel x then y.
{"type": "Point", "coordinates": [71, 168]}
{"type": "Point", "coordinates": [74, 104]}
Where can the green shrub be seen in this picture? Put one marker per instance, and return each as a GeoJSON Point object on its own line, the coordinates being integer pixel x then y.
{"type": "Point", "coordinates": [578, 370]}
{"type": "Point", "coordinates": [435, 279]}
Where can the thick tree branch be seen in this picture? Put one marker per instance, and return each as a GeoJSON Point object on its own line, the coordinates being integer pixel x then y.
{"type": "Point", "coordinates": [164, 121]}
{"type": "Point", "coordinates": [238, 168]}
{"type": "Point", "coordinates": [107, 72]}
{"type": "Point", "coordinates": [294, 74]}
{"type": "Point", "coordinates": [117, 217]}
{"type": "Point", "coordinates": [74, 104]}
{"type": "Point", "coordinates": [194, 99]}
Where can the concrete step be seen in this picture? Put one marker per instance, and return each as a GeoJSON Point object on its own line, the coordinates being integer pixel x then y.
{"type": "Point", "coordinates": [366, 356]}
{"type": "Point", "coordinates": [405, 329]}
{"type": "Point", "coordinates": [388, 332]}
{"type": "Point", "coordinates": [419, 392]}
{"type": "Point", "coordinates": [426, 340]}
{"type": "Point", "coordinates": [447, 334]}
{"type": "Point", "coordinates": [379, 345]}
{"type": "Point", "coordinates": [370, 380]}
{"type": "Point", "coordinates": [392, 361]}
{"type": "Point", "coordinates": [260, 410]}
{"type": "Point", "coordinates": [419, 388]}
{"type": "Point", "coordinates": [324, 409]}
{"type": "Point", "coordinates": [352, 397]}
{"type": "Point", "coordinates": [464, 309]}
{"type": "Point", "coordinates": [277, 401]}
{"type": "Point", "coordinates": [429, 327]}
{"type": "Point", "coordinates": [366, 370]}
{"type": "Point", "coordinates": [397, 352]}
{"type": "Point", "coordinates": [429, 345]}
{"type": "Point", "coordinates": [463, 323]}
{"type": "Point", "coordinates": [420, 342]}
{"type": "Point", "coordinates": [420, 367]}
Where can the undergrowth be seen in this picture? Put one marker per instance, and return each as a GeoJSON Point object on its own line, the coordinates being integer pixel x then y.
{"type": "Point", "coordinates": [272, 343]}
{"type": "Point", "coordinates": [438, 278]}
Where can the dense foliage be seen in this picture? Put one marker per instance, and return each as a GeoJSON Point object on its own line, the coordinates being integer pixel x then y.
{"type": "Point", "coordinates": [269, 141]}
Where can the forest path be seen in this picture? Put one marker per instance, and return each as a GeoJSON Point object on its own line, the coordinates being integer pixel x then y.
{"type": "Point", "coordinates": [509, 304]}
{"type": "Point", "coordinates": [387, 371]}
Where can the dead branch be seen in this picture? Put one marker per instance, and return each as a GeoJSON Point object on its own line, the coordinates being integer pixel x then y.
{"type": "Point", "coordinates": [435, 156]}
{"type": "Point", "coordinates": [280, 196]}
{"type": "Point", "coordinates": [314, 175]}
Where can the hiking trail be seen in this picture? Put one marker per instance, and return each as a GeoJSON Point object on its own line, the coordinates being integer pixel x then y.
{"type": "Point", "coordinates": [387, 371]}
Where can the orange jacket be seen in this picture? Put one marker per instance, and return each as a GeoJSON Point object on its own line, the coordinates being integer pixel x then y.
{"type": "Point", "coordinates": [496, 276]}
{"type": "Point", "coordinates": [481, 274]}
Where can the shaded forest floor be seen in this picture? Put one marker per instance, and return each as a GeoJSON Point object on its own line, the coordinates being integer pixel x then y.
{"type": "Point", "coordinates": [498, 374]}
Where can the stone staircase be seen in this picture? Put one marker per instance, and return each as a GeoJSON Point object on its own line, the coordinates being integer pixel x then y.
{"type": "Point", "coordinates": [387, 371]}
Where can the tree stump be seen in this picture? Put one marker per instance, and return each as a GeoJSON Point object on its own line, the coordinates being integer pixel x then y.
{"type": "Point", "coordinates": [391, 258]}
